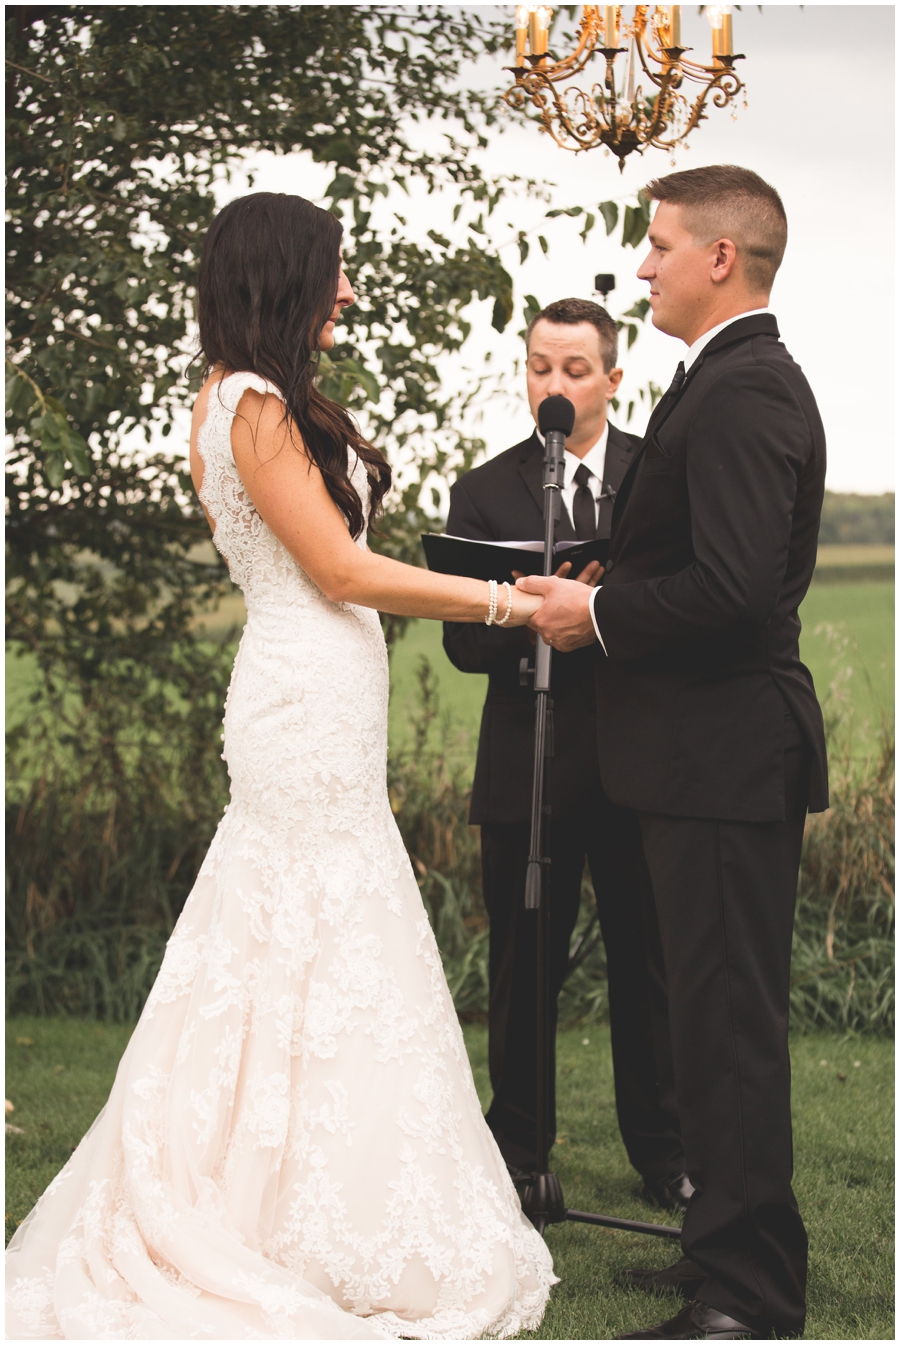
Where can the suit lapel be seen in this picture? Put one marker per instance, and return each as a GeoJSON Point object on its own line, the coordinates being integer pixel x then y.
{"type": "Point", "coordinates": [620, 451]}
{"type": "Point", "coordinates": [739, 330]}
{"type": "Point", "coordinates": [660, 414]}
{"type": "Point", "coordinates": [655, 420]}
{"type": "Point", "coordinates": [531, 469]}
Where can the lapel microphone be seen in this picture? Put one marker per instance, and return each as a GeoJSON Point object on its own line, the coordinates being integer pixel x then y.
{"type": "Point", "coordinates": [556, 420]}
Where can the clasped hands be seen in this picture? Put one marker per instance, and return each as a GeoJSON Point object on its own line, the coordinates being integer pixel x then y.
{"type": "Point", "coordinates": [563, 619]}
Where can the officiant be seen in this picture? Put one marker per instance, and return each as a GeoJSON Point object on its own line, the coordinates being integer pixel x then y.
{"type": "Point", "coordinates": [571, 350]}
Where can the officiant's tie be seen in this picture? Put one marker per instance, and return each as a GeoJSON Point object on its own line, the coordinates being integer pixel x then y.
{"type": "Point", "coordinates": [584, 510]}
{"type": "Point", "coordinates": [675, 386]}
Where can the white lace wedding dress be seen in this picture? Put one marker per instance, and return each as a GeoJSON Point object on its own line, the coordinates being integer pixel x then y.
{"type": "Point", "coordinates": [293, 1146]}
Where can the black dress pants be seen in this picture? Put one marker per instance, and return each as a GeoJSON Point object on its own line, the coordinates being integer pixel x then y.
{"type": "Point", "coordinates": [725, 895]}
{"type": "Point", "coordinates": [609, 837]}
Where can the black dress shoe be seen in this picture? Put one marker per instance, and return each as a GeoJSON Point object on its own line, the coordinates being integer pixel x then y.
{"type": "Point", "coordinates": [684, 1278]}
{"type": "Point", "coordinates": [669, 1193]}
{"type": "Point", "coordinates": [697, 1321]}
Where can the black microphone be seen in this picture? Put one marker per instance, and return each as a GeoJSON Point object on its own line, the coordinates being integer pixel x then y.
{"type": "Point", "coordinates": [556, 420]}
{"type": "Point", "coordinates": [556, 413]}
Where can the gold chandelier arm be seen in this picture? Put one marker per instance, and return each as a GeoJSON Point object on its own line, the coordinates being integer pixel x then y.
{"type": "Point", "coordinates": [589, 32]}
{"type": "Point", "coordinates": [657, 77]}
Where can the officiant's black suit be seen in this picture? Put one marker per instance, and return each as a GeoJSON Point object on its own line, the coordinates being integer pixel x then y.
{"type": "Point", "coordinates": [503, 501]}
{"type": "Point", "coordinates": [712, 731]}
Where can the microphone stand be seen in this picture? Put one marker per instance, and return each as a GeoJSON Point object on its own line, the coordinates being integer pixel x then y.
{"type": "Point", "coordinates": [542, 1197]}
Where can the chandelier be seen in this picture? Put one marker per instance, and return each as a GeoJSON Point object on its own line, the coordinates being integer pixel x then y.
{"type": "Point", "coordinates": [646, 96]}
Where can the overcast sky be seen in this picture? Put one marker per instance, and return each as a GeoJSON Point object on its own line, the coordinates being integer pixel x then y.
{"type": "Point", "coordinates": [819, 126]}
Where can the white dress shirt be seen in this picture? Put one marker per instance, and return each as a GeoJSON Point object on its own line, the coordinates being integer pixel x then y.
{"type": "Point", "coordinates": [595, 461]}
{"type": "Point", "coordinates": [689, 358]}
{"type": "Point", "coordinates": [704, 340]}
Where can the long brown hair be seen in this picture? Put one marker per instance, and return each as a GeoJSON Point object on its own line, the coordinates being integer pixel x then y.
{"type": "Point", "coordinates": [268, 282]}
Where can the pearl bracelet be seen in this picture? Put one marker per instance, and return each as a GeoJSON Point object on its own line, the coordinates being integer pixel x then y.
{"type": "Point", "coordinates": [508, 611]}
{"type": "Point", "coordinates": [491, 618]}
{"type": "Point", "coordinates": [492, 603]}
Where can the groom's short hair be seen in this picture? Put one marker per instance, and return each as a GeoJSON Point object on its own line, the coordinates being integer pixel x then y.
{"type": "Point", "coordinates": [571, 312]}
{"type": "Point", "coordinates": [724, 201]}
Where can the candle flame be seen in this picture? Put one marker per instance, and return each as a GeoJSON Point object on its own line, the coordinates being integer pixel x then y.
{"type": "Point", "coordinates": [716, 13]}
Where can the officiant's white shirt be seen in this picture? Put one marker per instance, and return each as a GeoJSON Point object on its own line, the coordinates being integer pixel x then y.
{"type": "Point", "coordinates": [692, 353]}
{"type": "Point", "coordinates": [595, 461]}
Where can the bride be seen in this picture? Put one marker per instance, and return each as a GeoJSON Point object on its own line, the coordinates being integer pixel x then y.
{"type": "Point", "coordinates": [293, 1146]}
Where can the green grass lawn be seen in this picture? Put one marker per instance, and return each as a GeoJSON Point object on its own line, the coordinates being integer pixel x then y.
{"type": "Point", "coordinates": [863, 614]}
{"type": "Point", "coordinates": [60, 1070]}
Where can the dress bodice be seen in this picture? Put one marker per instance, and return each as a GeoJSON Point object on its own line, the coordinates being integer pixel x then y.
{"type": "Point", "coordinates": [258, 562]}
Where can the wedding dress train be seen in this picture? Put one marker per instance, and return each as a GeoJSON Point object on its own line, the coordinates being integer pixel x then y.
{"type": "Point", "coordinates": [293, 1146]}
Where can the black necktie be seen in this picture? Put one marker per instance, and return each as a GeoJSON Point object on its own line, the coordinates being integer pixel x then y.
{"type": "Point", "coordinates": [677, 380]}
{"type": "Point", "coordinates": [584, 513]}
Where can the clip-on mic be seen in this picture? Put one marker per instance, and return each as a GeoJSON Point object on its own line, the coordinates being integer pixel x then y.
{"type": "Point", "coordinates": [542, 1198]}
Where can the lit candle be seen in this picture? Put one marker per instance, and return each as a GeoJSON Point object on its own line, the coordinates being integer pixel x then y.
{"type": "Point", "coordinates": [722, 41]}
{"type": "Point", "coordinates": [539, 17]}
{"type": "Point", "coordinates": [543, 16]}
{"type": "Point", "coordinates": [521, 33]}
{"type": "Point", "coordinates": [611, 25]}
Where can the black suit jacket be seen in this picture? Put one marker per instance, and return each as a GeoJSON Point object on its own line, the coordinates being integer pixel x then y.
{"type": "Point", "coordinates": [713, 547]}
{"type": "Point", "coordinates": [502, 501]}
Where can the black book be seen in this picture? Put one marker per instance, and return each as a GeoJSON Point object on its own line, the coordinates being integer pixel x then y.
{"type": "Point", "coordinates": [497, 560]}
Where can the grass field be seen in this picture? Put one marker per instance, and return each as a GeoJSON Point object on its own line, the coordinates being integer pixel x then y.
{"type": "Point", "coordinates": [861, 613]}
{"type": "Point", "coordinates": [60, 1070]}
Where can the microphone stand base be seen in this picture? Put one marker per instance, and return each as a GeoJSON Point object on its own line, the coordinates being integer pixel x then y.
{"type": "Point", "coordinates": [543, 1203]}
{"type": "Point", "coordinates": [542, 1200]}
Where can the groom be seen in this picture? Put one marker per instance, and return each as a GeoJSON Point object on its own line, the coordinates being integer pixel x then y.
{"type": "Point", "coordinates": [711, 729]}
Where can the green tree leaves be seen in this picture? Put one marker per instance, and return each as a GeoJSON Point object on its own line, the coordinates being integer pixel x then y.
{"type": "Point", "coordinates": [636, 222]}
{"type": "Point", "coordinates": [61, 447]}
{"type": "Point", "coordinates": [531, 308]}
{"type": "Point", "coordinates": [610, 212]}
{"type": "Point", "coordinates": [119, 118]}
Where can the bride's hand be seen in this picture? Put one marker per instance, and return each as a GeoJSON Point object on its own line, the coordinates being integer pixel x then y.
{"type": "Point", "coordinates": [524, 606]}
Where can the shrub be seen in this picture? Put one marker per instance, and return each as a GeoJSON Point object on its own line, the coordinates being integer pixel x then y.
{"type": "Point", "coordinates": [111, 805]}
{"type": "Point", "coordinates": [857, 518]}
{"type": "Point", "coordinates": [843, 958]}
{"type": "Point", "coordinates": [104, 842]}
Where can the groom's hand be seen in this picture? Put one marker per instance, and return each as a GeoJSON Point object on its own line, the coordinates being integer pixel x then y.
{"type": "Point", "coordinates": [563, 619]}
{"type": "Point", "coordinates": [590, 575]}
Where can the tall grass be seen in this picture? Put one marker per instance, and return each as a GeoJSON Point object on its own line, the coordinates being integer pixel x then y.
{"type": "Point", "coordinates": [111, 804]}
{"type": "Point", "coordinates": [843, 956]}
{"type": "Point", "coordinates": [101, 857]}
